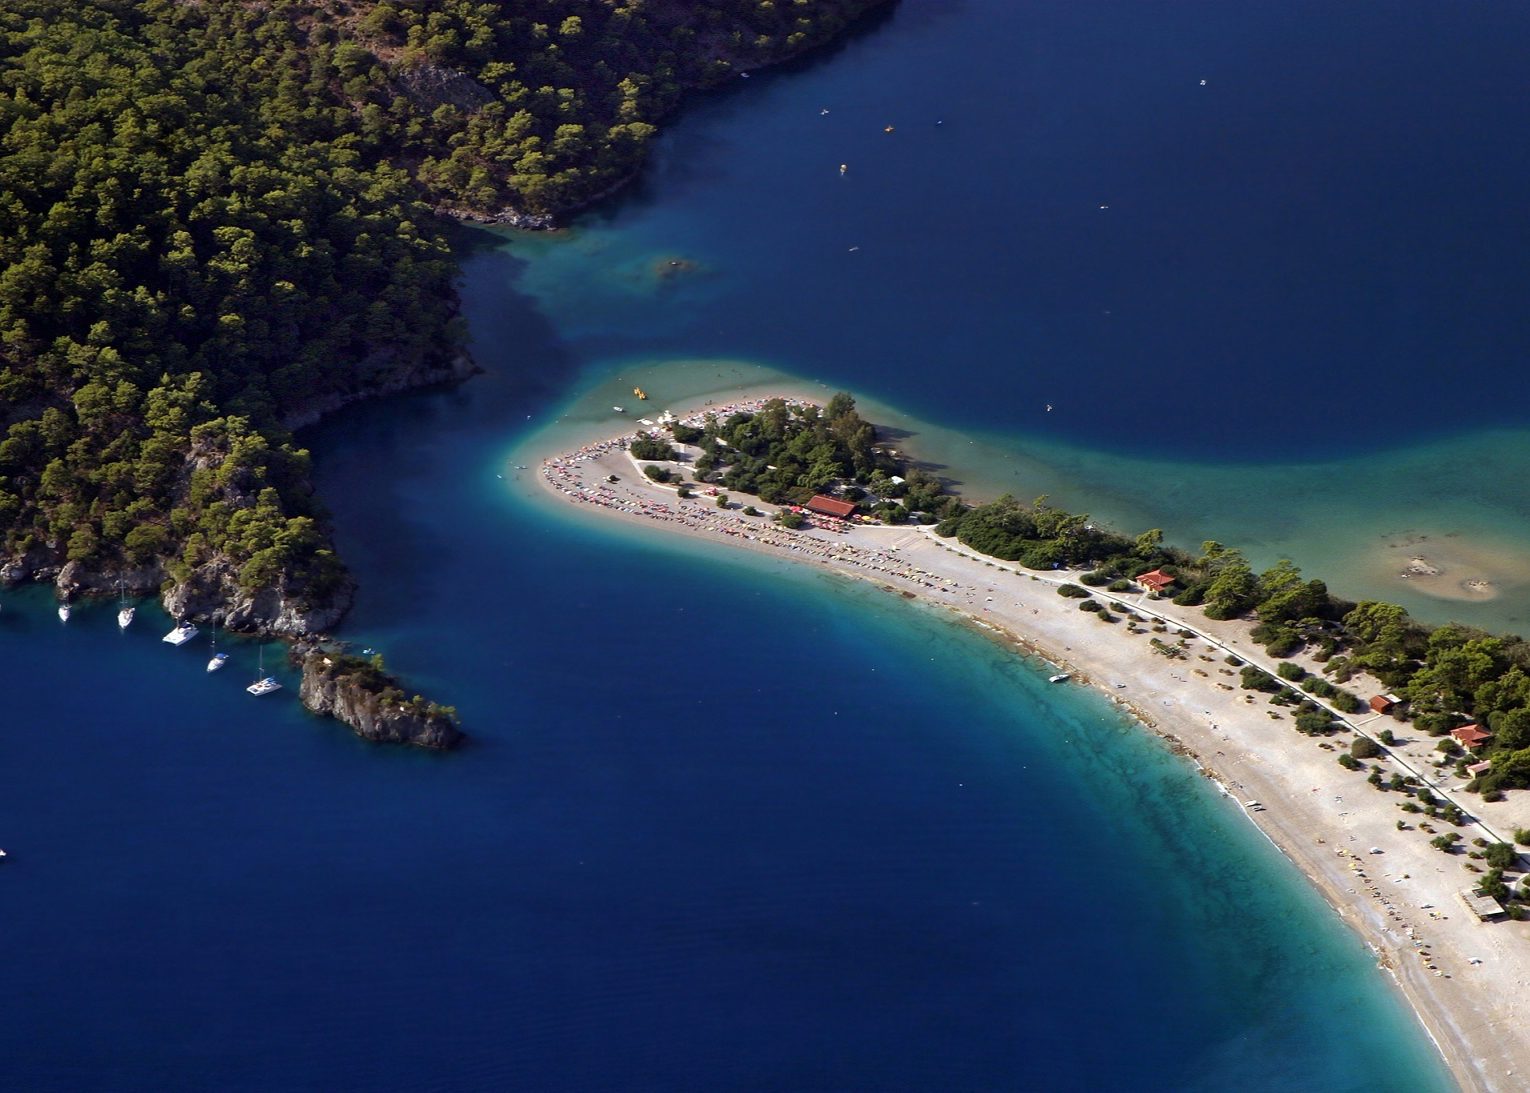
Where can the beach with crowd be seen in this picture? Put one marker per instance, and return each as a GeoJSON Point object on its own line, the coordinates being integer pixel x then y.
{"type": "Point", "coordinates": [1464, 977]}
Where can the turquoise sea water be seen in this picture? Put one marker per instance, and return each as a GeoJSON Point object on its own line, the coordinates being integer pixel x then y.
{"type": "Point", "coordinates": [728, 824]}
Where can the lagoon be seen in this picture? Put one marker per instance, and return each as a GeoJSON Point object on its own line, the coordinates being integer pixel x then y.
{"type": "Point", "coordinates": [728, 825]}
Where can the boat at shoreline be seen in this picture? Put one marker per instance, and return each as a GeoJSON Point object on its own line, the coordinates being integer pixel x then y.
{"type": "Point", "coordinates": [125, 611]}
{"type": "Point", "coordinates": [183, 633]}
{"type": "Point", "coordinates": [1060, 677]}
{"type": "Point", "coordinates": [263, 684]}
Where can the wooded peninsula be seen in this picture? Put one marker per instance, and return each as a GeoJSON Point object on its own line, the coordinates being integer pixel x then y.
{"type": "Point", "coordinates": [219, 221]}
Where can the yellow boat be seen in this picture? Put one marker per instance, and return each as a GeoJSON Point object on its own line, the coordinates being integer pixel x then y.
{"type": "Point", "coordinates": [638, 391]}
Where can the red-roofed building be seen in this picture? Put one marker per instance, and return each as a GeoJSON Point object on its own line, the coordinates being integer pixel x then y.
{"type": "Point", "coordinates": [1156, 581]}
{"type": "Point", "coordinates": [1470, 736]}
{"type": "Point", "coordinates": [827, 506]}
{"type": "Point", "coordinates": [1384, 703]}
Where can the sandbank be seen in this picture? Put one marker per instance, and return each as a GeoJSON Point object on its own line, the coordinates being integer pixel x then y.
{"type": "Point", "coordinates": [1448, 566]}
{"type": "Point", "coordinates": [1464, 978]}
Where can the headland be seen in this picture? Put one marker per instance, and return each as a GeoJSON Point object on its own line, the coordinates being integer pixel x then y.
{"type": "Point", "coordinates": [1175, 672]}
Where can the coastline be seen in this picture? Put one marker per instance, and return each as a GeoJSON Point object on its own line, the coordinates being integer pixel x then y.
{"type": "Point", "coordinates": [1458, 975]}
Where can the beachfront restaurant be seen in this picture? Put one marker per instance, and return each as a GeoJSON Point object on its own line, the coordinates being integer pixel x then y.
{"type": "Point", "coordinates": [828, 506]}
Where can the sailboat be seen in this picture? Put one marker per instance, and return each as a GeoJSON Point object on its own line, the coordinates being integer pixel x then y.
{"type": "Point", "coordinates": [266, 684]}
{"type": "Point", "coordinates": [218, 659]}
{"type": "Point", "coordinates": [124, 611]}
{"type": "Point", "coordinates": [182, 633]}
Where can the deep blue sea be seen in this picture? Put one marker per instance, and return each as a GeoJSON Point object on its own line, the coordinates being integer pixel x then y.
{"type": "Point", "coordinates": [728, 825]}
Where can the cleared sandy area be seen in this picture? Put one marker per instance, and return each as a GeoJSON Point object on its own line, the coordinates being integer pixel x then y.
{"type": "Point", "coordinates": [1464, 978]}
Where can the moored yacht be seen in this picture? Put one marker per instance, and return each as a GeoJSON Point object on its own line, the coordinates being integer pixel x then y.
{"type": "Point", "coordinates": [181, 634]}
{"type": "Point", "coordinates": [63, 612]}
{"type": "Point", "coordinates": [125, 617]}
{"type": "Point", "coordinates": [218, 660]}
{"type": "Point", "coordinates": [266, 684]}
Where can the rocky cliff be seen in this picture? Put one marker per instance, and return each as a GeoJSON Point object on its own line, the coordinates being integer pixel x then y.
{"type": "Point", "coordinates": [362, 694]}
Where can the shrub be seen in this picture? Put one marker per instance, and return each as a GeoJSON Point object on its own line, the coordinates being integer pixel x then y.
{"type": "Point", "coordinates": [1293, 672]}
{"type": "Point", "coordinates": [1500, 855]}
{"type": "Point", "coordinates": [1091, 605]}
{"type": "Point", "coordinates": [1118, 586]}
{"type": "Point", "coordinates": [1072, 591]}
{"type": "Point", "coordinates": [1094, 580]}
{"type": "Point", "coordinates": [651, 447]}
{"type": "Point", "coordinates": [1436, 724]}
{"type": "Point", "coordinates": [1236, 662]}
{"type": "Point", "coordinates": [1257, 679]}
{"type": "Point", "coordinates": [1522, 836]}
{"type": "Point", "coordinates": [1194, 595]}
{"type": "Point", "coordinates": [658, 474]}
{"type": "Point", "coordinates": [1316, 723]}
{"type": "Point", "coordinates": [1386, 737]}
{"type": "Point", "coordinates": [722, 500]}
{"type": "Point", "coordinates": [1348, 761]}
{"type": "Point", "coordinates": [1347, 702]}
{"type": "Point", "coordinates": [1283, 644]}
{"type": "Point", "coordinates": [790, 519]}
{"type": "Point", "coordinates": [1364, 748]}
{"type": "Point", "coordinates": [750, 510]}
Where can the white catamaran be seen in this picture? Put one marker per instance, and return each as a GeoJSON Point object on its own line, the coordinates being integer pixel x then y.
{"type": "Point", "coordinates": [181, 634]}
{"type": "Point", "coordinates": [265, 684]}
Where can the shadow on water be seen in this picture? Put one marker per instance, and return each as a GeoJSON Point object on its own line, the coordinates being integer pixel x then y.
{"type": "Point", "coordinates": [692, 165]}
{"type": "Point", "coordinates": [379, 464]}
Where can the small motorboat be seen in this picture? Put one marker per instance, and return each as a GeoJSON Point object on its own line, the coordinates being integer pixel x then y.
{"type": "Point", "coordinates": [1060, 677]}
{"type": "Point", "coordinates": [620, 409]}
{"type": "Point", "coordinates": [181, 634]}
{"type": "Point", "coordinates": [63, 612]}
{"type": "Point", "coordinates": [218, 661]}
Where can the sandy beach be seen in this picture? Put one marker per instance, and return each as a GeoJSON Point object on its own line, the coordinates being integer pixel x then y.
{"type": "Point", "coordinates": [1465, 979]}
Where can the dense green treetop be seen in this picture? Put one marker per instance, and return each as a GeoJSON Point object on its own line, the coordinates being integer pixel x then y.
{"type": "Point", "coordinates": [217, 217]}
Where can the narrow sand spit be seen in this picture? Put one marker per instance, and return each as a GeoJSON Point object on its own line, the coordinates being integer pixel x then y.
{"type": "Point", "coordinates": [1465, 979]}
